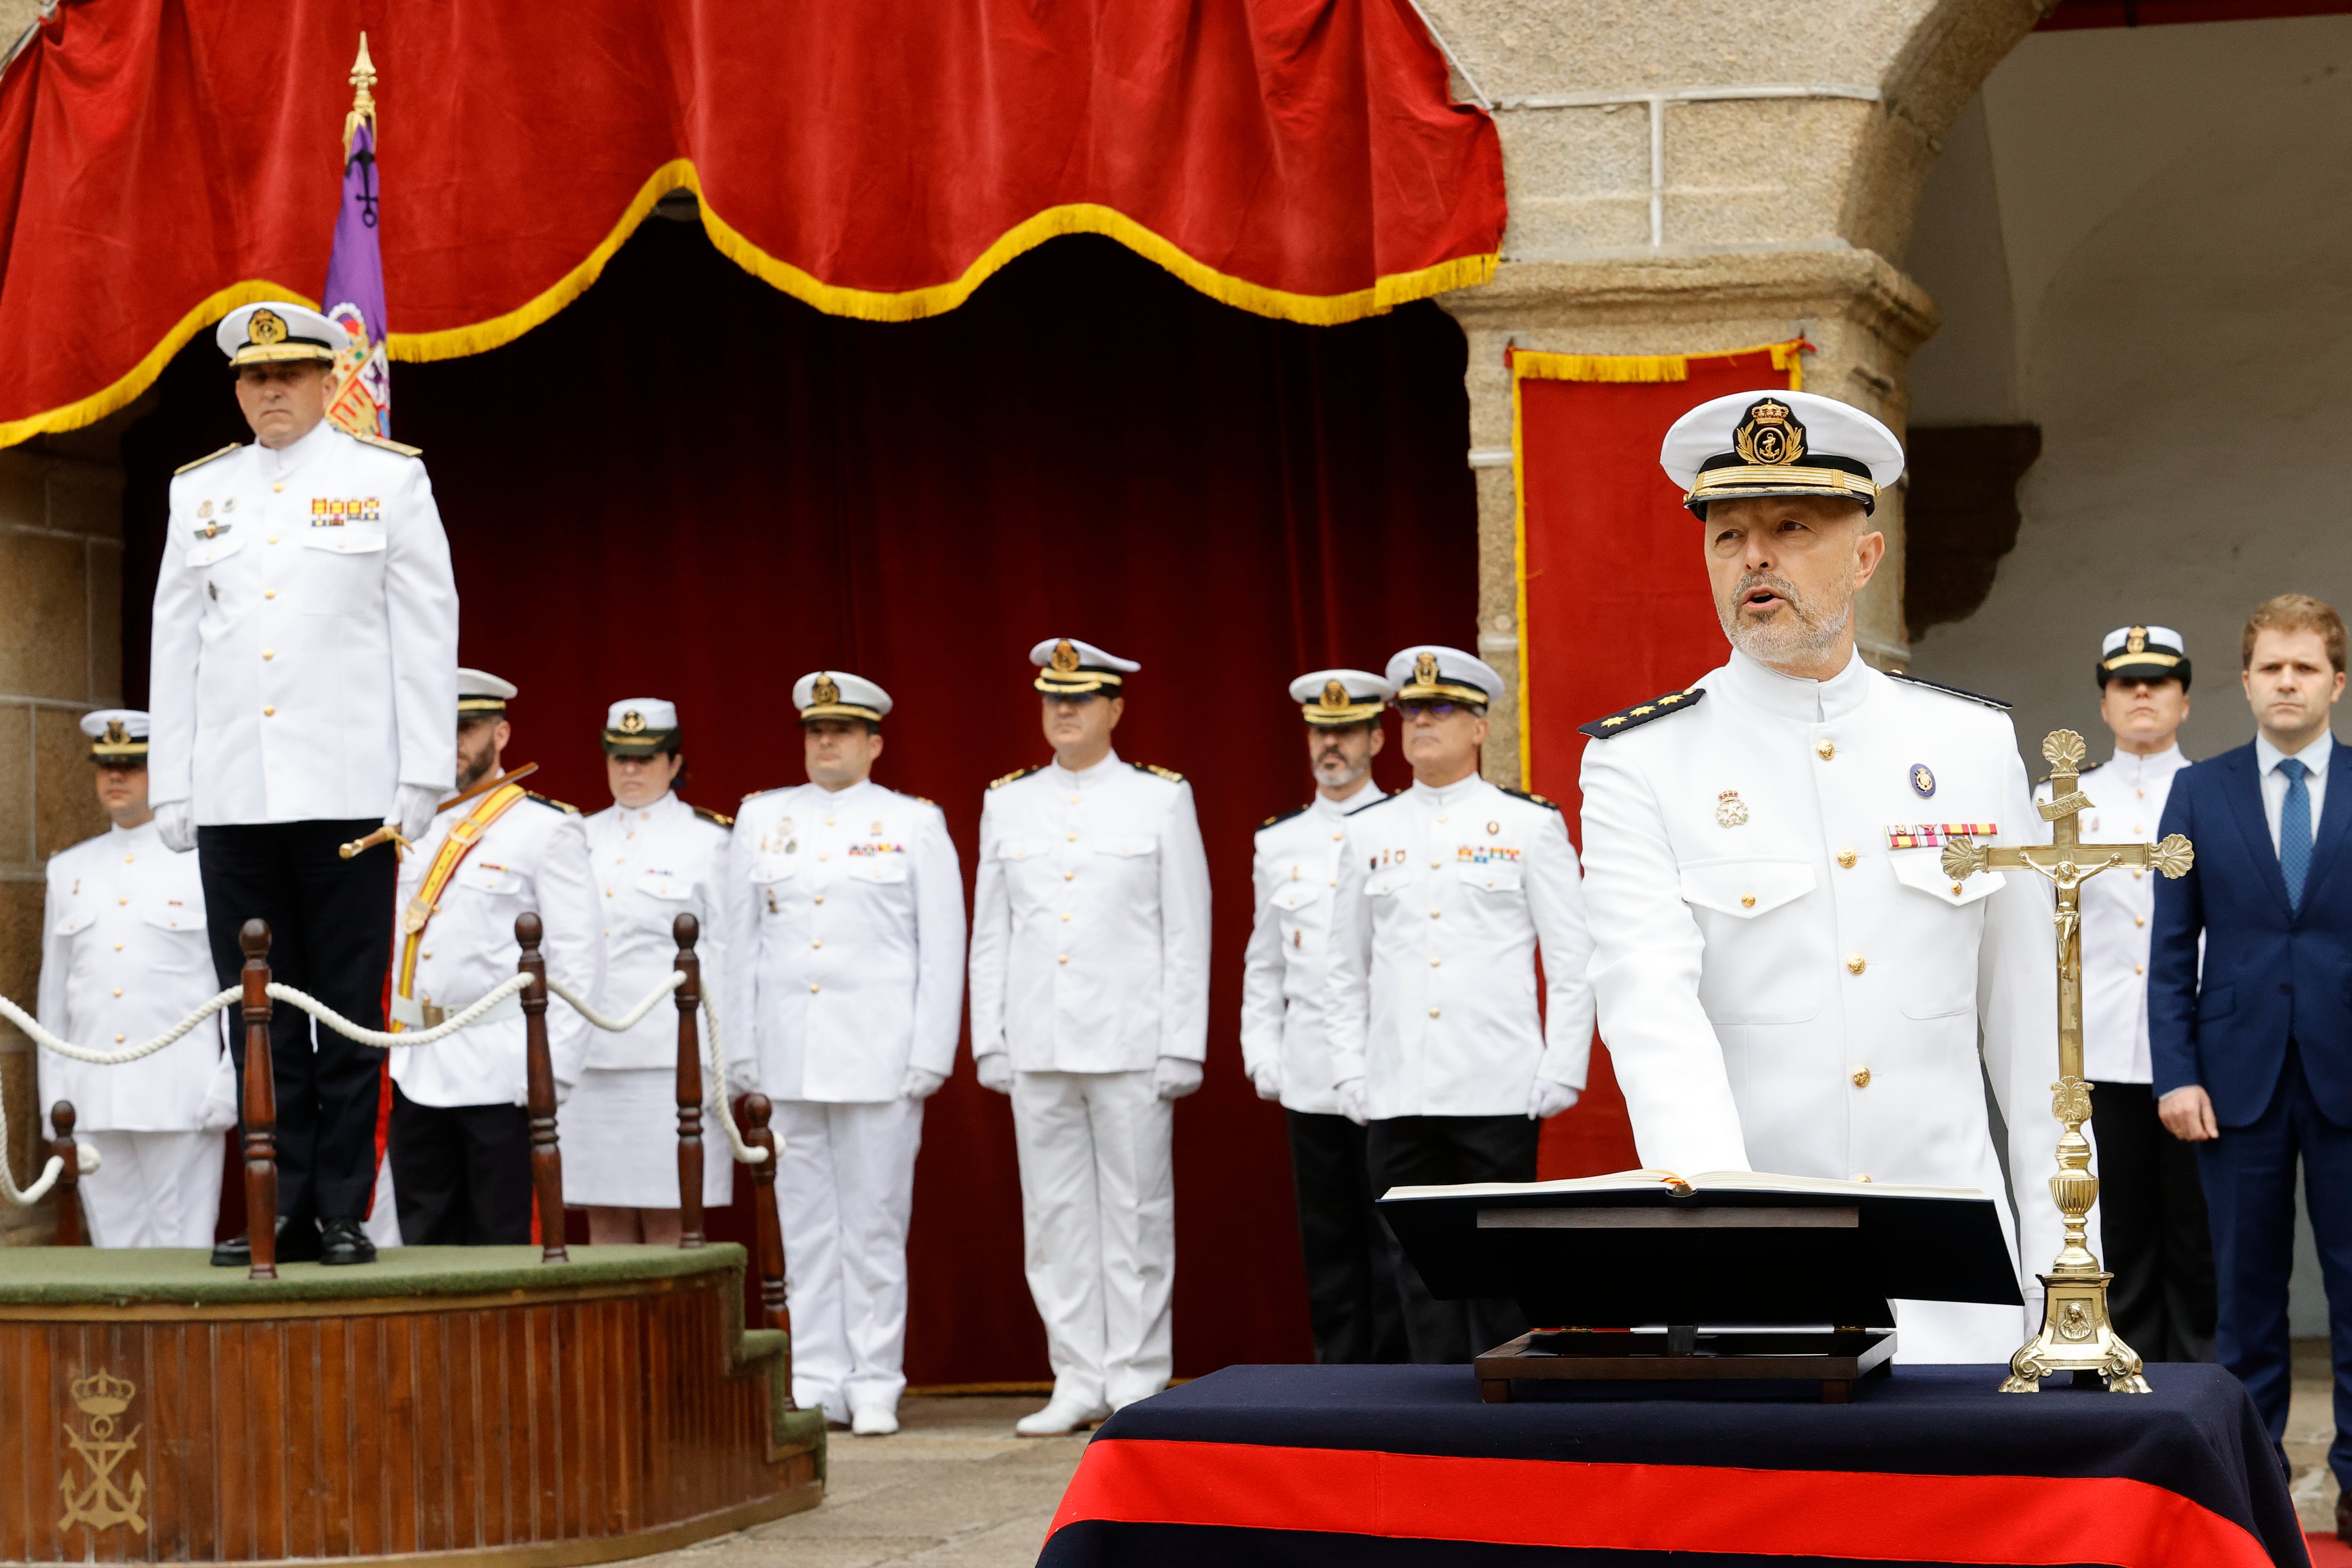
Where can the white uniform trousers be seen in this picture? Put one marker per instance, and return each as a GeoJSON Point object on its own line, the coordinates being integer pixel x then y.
{"type": "Point", "coordinates": [845, 1190]}
{"type": "Point", "coordinates": [1098, 1212]}
{"type": "Point", "coordinates": [152, 1189]}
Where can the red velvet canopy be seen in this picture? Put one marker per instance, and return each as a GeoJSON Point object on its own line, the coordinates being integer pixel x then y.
{"type": "Point", "coordinates": [163, 160]}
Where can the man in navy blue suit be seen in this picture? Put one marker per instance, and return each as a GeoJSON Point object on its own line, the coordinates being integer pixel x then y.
{"type": "Point", "coordinates": [2254, 1061]}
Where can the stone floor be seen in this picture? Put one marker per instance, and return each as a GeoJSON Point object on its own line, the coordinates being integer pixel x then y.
{"type": "Point", "coordinates": [955, 1488]}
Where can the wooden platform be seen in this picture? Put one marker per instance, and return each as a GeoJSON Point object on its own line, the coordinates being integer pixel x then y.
{"type": "Point", "coordinates": [467, 1403]}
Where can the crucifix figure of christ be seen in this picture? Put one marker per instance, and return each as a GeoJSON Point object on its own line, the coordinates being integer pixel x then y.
{"type": "Point", "coordinates": [2077, 1334]}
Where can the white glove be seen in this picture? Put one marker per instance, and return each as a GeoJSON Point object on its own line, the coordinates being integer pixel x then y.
{"type": "Point", "coordinates": [1351, 1101]}
{"type": "Point", "coordinates": [1173, 1078]}
{"type": "Point", "coordinates": [742, 1079]}
{"type": "Point", "coordinates": [922, 1084]}
{"type": "Point", "coordinates": [219, 1112]}
{"type": "Point", "coordinates": [1546, 1099]}
{"type": "Point", "coordinates": [175, 825]}
{"type": "Point", "coordinates": [86, 1160]}
{"type": "Point", "coordinates": [413, 809]}
{"type": "Point", "coordinates": [996, 1072]}
{"type": "Point", "coordinates": [1268, 1078]}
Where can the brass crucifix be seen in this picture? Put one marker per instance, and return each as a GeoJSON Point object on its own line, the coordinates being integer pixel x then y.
{"type": "Point", "coordinates": [2077, 1334]}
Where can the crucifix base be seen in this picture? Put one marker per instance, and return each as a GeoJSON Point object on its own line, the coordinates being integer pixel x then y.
{"type": "Point", "coordinates": [2077, 1336]}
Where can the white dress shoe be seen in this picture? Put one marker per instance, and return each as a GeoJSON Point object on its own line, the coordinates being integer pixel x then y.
{"type": "Point", "coordinates": [1060, 1417]}
{"type": "Point", "coordinates": [873, 1421]}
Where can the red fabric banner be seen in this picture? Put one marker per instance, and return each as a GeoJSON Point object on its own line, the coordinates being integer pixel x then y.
{"type": "Point", "coordinates": [1613, 604]}
{"type": "Point", "coordinates": [163, 160]}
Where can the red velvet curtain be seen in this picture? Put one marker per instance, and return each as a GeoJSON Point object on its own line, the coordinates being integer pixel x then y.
{"type": "Point", "coordinates": [690, 484]}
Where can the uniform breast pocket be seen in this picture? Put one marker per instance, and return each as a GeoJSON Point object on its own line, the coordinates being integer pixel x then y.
{"type": "Point", "coordinates": [1922, 871]}
{"type": "Point", "coordinates": [180, 926]}
{"type": "Point", "coordinates": [1386, 884]}
{"type": "Point", "coordinates": [1761, 965]}
{"type": "Point", "coordinates": [1298, 910]}
{"type": "Point", "coordinates": [661, 885]}
{"type": "Point", "coordinates": [882, 868]}
{"type": "Point", "coordinates": [205, 554]}
{"type": "Point", "coordinates": [1497, 876]}
{"type": "Point", "coordinates": [341, 571]}
{"type": "Point", "coordinates": [76, 918]}
{"type": "Point", "coordinates": [490, 881]}
{"type": "Point", "coordinates": [1140, 846]}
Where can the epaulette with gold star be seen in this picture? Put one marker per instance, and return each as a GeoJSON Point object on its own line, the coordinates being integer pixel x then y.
{"type": "Point", "coordinates": [207, 458]}
{"type": "Point", "coordinates": [1976, 697]}
{"type": "Point", "coordinates": [388, 443]}
{"type": "Point", "coordinates": [1156, 771]}
{"type": "Point", "coordinates": [1015, 774]}
{"type": "Point", "coordinates": [716, 819]}
{"type": "Point", "coordinates": [1530, 797]}
{"type": "Point", "coordinates": [562, 805]}
{"type": "Point", "coordinates": [1625, 719]}
{"type": "Point", "coordinates": [1280, 817]}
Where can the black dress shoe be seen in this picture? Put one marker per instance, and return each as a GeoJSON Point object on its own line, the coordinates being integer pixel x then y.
{"type": "Point", "coordinates": [234, 1254]}
{"type": "Point", "coordinates": [2344, 1518]}
{"type": "Point", "coordinates": [299, 1246]}
{"type": "Point", "coordinates": [343, 1241]}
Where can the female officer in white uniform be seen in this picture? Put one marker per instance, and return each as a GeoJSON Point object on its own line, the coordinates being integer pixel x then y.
{"type": "Point", "coordinates": [654, 858]}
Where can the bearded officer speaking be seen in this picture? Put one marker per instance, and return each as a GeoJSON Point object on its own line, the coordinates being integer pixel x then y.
{"type": "Point", "coordinates": [1786, 979]}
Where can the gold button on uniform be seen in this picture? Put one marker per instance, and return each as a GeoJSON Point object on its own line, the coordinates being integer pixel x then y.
{"type": "Point", "coordinates": [269, 592]}
{"type": "Point", "coordinates": [118, 1039]}
{"type": "Point", "coordinates": [1826, 747]}
{"type": "Point", "coordinates": [1862, 1175]}
{"type": "Point", "coordinates": [1846, 858]}
{"type": "Point", "coordinates": [117, 991]}
{"type": "Point", "coordinates": [122, 901]}
{"type": "Point", "coordinates": [2139, 919]}
{"type": "Point", "coordinates": [811, 986]}
{"type": "Point", "coordinates": [269, 712]}
{"type": "Point", "coordinates": [818, 943]}
{"type": "Point", "coordinates": [1856, 963]}
{"type": "Point", "coordinates": [2139, 969]}
{"type": "Point", "coordinates": [1956, 890]}
{"type": "Point", "coordinates": [279, 486]}
{"type": "Point", "coordinates": [1063, 958]}
{"type": "Point", "coordinates": [1861, 1077]}
{"type": "Point", "coordinates": [820, 898]}
{"type": "Point", "coordinates": [1435, 962]}
{"type": "Point", "coordinates": [1746, 901]}
{"type": "Point", "coordinates": [1069, 876]}
{"type": "Point", "coordinates": [1432, 1012]}
{"type": "Point", "coordinates": [269, 653]}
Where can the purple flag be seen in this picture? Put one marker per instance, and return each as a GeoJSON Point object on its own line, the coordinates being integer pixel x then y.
{"type": "Point", "coordinates": [355, 272]}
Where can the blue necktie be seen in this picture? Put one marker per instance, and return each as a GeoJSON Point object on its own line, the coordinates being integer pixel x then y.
{"type": "Point", "coordinates": [2295, 831]}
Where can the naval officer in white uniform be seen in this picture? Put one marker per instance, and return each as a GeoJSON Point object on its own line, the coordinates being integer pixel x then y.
{"type": "Point", "coordinates": [305, 658]}
{"type": "Point", "coordinates": [1446, 891]}
{"type": "Point", "coordinates": [122, 959]}
{"type": "Point", "coordinates": [460, 1141]}
{"type": "Point", "coordinates": [1351, 1300]}
{"type": "Point", "coordinates": [1090, 1007]}
{"type": "Point", "coordinates": [1787, 980]}
{"type": "Point", "coordinates": [844, 914]}
{"type": "Point", "coordinates": [2156, 1236]}
{"type": "Point", "coordinates": [654, 858]}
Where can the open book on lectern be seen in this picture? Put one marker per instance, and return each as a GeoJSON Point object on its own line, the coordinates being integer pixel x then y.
{"type": "Point", "coordinates": [1741, 1248]}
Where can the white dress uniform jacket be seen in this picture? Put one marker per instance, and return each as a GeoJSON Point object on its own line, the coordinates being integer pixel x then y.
{"type": "Point", "coordinates": [1090, 923]}
{"type": "Point", "coordinates": [1295, 871]}
{"type": "Point", "coordinates": [123, 958]}
{"type": "Point", "coordinates": [845, 922]}
{"type": "Point", "coordinates": [534, 857]}
{"type": "Point", "coordinates": [306, 635]}
{"type": "Point", "coordinates": [653, 864]}
{"type": "Point", "coordinates": [2127, 795]}
{"type": "Point", "coordinates": [1443, 895]}
{"type": "Point", "coordinates": [1781, 990]}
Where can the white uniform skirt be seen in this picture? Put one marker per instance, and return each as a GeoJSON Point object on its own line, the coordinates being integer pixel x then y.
{"type": "Point", "coordinates": [619, 1136]}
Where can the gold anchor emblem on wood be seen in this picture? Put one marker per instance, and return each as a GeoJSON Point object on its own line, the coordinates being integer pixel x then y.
{"type": "Point", "coordinates": [2076, 1335]}
{"type": "Point", "coordinates": [102, 1504]}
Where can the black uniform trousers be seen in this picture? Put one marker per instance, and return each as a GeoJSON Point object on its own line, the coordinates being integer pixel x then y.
{"type": "Point", "coordinates": [1432, 1151]}
{"type": "Point", "coordinates": [331, 936]}
{"type": "Point", "coordinates": [461, 1174]}
{"type": "Point", "coordinates": [2152, 1227]}
{"type": "Point", "coordinates": [1351, 1297]}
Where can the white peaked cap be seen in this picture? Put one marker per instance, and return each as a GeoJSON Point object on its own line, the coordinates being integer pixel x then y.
{"type": "Point", "coordinates": [479, 691]}
{"type": "Point", "coordinates": [1068, 666]}
{"type": "Point", "coordinates": [835, 694]}
{"type": "Point", "coordinates": [1334, 697]}
{"type": "Point", "coordinates": [278, 330]}
{"type": "Point", "coordinates": [133, 722]}
{"type": "Point", "coordinates": [1429, 670]}
{"type": "Point", "coordinates": [640, 726]}
{"type": "Point", "coordinates": [1775, 443]}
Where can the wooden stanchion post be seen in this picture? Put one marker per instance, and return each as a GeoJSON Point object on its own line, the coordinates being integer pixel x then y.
{"type": "Point", "coordinates": [775, 1309]}
{"type": "Point", "coordinates": [68, 1188]}
{"type": "Point", "coordinates": [260, 1106]}
{"type": "Point", "coordinates": [539, 1093]}
{"type": "Point", "coordinates": [686, 929]}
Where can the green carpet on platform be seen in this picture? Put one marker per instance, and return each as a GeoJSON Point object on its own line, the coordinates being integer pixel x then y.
{"type": "Point", "coordinates": [71, 1275]}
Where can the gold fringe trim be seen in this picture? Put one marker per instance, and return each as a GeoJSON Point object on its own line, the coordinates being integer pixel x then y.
{"type": "Point", "coordinates": [1645, 367]}
{"type": "Point", "coordinates": [125, 392]}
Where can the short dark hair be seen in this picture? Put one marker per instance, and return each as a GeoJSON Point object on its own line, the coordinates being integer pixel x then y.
{"type": "Point", "coordinates": [2294, 613]}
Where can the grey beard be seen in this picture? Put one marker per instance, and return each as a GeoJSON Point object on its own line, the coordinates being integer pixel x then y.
{"type": "Point", "coordinates": [1806, 634]}
{"type": "Point", "coordinates": [1336, 773]}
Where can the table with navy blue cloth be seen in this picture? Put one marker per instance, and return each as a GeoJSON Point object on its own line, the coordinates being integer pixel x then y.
{"type": "Point", "coordinates": [1382, 1467]}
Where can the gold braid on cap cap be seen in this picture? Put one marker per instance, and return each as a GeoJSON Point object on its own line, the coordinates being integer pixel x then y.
{"type": "Point", "coordinates": [1066, 659]}
{"type": "Point", "coordinates": [1334, 695]}
{"type": "Point", "coordinates": [1335, 706]}
{"type": "Point", "coordinates": [116, 742]}
{"type": "Point", "coordinates": [825, 692]}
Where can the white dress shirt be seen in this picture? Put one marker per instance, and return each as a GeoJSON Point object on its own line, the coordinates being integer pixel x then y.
{"type": "Point", "coordinates": [533, 857]}
{"type": "Point", "coordinates": [123, 958]}
{"type": "Point", "coordinates": [2315, 756]}
{"type": "Point", "coordinates": [651, 865]}
{"type": "Point", "coordinates": [305, 647]}
{"type": "Point", "coordinates": [1090, 924]}
{"type": "Point", "coordinates": [1430, 996]}
{"type": "Point", "coordinates": [2127, 795]}
{"type": "Point", "coordinates": [1295, 872]}
{"type": "Point", "coordinates": [845, 920]}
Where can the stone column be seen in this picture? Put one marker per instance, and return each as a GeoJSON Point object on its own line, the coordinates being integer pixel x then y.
{"type": "Point", "coordinates": [1687, 177]}
{"type": "Point", "coordinates": [61, 655]}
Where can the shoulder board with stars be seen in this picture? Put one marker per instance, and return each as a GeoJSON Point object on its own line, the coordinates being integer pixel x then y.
{"type": "Point", "coordinates": [1156, 771]}
{"type": "Point", "coordinates": [208, 456]}
{"type": "Point", "coordinates": [1014, 777]}
{"type": "Point", "coordinates": [564, 806]}
{"type": "Point", "coordinates": [389, 444]}
{"type": "Point", "coordinates": [716, 819]}
{"type": "Point", "coordinates": [1641, 713]}
{"type": "Point", "coordinates": [1280, 817]}
{"type": "Point", "coordinates": [1976, 696]}
{"type": "Point", "coordinates": [1530, 796]}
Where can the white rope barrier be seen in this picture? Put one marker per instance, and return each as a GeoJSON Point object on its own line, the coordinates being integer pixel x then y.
{"type": "Point", "coordinates": [715, 1097]}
